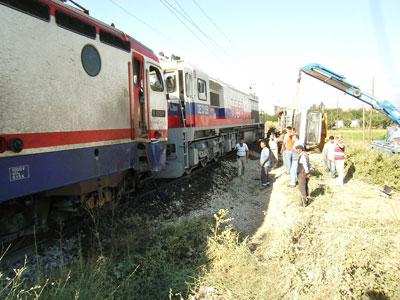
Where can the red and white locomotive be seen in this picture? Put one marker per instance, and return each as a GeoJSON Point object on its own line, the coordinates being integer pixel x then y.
{"type": "Point", "coordinates": [81, 102]}
{"type": "Point", "coordinates": [84, 106]}
{"type": "Point", "coordinates": [206, 117]}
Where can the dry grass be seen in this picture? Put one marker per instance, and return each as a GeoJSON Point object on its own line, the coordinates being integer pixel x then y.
{"type": "Point", "coordinates": [345, 245]}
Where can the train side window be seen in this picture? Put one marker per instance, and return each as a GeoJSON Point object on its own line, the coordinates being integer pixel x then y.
{"type": "Point", "coordinates": [91, 60]}
{"type": "Point", "coordinates": [214, 99]}
{"type": "Point", "coordinates": [113, 40]}
{"type": "Point", "coordinates": [155, 79]}
{"type": "Point", "coordinates": [33, 8]}
{"type": "Point", "coordinates": [170, 82]}
{"type": "Point", "coordinates": [76, 25]}
{"type": "Point", "coordinates": [202, 89]}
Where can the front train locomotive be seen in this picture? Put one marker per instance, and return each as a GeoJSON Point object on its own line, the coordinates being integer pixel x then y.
{"type": "Point", "coordinates": [206, 117]}
{"type": "Point", "coordinates": [81, 105]}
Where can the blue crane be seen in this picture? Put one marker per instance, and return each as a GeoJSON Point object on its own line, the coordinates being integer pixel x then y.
{"type": "Point", "coordinates": [338, 81]}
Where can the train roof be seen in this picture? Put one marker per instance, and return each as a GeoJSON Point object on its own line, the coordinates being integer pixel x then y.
{"type": "Point", "coordinates": [134, 44]}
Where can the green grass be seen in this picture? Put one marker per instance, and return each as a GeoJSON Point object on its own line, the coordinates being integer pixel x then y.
{"type": "Point", "coordinates": [374, 166]}
{"type": "Point", "coordinates": [355, 136]}
{"type": "Point", "coordinates": [142, 258]}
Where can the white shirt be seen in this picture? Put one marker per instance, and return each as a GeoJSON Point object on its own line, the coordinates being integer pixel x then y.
{"type": "Point", "coordinates": [303, 161]}
{"type": "Point", "coordinates": [264, 154]}
{"type": "Point", "coordinates": [331, 151]}
{"type": "Point", "coordinates": [296, 143]}
{"type": "Point", "coordinates": [241, 150]}
{"type": "Point", "coordinates": [273, 145]}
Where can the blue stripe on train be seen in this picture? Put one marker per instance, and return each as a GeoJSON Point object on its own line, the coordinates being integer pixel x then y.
{"type": "Point", "coordinates": [193, 108]}
{"type": "Point", "coordinates": [27, 174]}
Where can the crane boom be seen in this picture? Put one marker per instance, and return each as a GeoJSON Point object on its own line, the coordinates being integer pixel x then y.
{"type": "Point", "coordinates": [339, 81]}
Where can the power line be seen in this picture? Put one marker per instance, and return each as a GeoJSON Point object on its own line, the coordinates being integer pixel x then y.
{"type": "Point", "coordinates": [136, 17]}
{"type": "Point", "coordinates": [146, 24]}
{"type": "Point", "coordinates": [185, 15]}
{"type": "Point", "coordinates": [219, 29]}
{"type": "Point", "coordinates": [174, 12]}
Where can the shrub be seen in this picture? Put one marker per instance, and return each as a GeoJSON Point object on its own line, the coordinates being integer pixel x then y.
{"type": "Point", "coordinates": [374, 166]}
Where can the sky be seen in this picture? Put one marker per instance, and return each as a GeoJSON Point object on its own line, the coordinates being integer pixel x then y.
{"type": "Point", "coordinates": [263, 43]}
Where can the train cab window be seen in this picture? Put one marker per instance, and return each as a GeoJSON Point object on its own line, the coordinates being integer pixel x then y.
{"type": "Point", "coordinates": [155, 79]}
{"type": "Point", "coordinates": [91, 60]}
{"type": "Point", "coordinates": [136, 72]}
{"type": "Point", "coordinates": [33, 8]}
{"type": "Point", "coordinates": [170, 82]}
{"type": "Point", "coordinates": [188, 85]}
{"type": "Point", "coordinates": [202, 89]}
{"type": "Point", "coordinates": [76, 25]}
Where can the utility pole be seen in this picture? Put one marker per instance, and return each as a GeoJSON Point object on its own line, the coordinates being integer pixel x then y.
{"type": "Point", "coordinates": [337, 113]}
{"type": "Point", "coordinates": [363, 124]}
{"type": "Point", "coordinates": [370, 113]}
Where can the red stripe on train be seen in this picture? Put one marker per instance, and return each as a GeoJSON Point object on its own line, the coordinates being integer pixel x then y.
{"type": "Point", "coordinates": [174, 121]}
{"type": "Point", "coordinates": [64, 138]}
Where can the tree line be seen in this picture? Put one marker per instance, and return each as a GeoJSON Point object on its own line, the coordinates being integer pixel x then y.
{"type": "Point", "coordinates": [373, 118]}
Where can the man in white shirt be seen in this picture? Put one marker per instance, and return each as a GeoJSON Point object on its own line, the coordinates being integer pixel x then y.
{"type": "Point", "coordinates": [242, 152]}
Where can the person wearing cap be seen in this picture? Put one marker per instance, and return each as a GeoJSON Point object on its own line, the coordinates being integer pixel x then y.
{"type": "Point", "coordinates": [242, 153]}
{"type": "Point", "coordinates": [303, 173]}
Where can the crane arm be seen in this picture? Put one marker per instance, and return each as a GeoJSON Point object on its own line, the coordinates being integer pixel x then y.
{"type": "Point", "coordinates": [339, 81]}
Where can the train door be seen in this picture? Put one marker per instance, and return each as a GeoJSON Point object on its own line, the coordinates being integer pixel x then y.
{"type": "Point", "coordinates": [139, 107]}
{"type": "Point", "coordinates": [189, 97]}
{"type": "Point", "coordinates": [156, 101]}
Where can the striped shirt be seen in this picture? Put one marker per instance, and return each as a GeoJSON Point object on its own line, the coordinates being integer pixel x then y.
{"type": "Point", "coordinates": [339, 152]}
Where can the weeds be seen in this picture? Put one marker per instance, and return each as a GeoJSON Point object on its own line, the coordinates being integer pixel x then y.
{"type": "Point", "coordinates": [374, 166]}
{"type": "Point", "coordinates": [145, 259]}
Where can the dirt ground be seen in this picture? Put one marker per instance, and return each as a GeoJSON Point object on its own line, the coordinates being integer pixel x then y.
{"type": "Point", "coordinates": [345, 244]}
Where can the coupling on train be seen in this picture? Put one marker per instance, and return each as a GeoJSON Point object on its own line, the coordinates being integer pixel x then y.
{"type": "Point", "coordinates": [87, 110]}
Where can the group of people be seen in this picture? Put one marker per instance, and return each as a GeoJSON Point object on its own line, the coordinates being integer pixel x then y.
{"type": "Point", "coordinates": [295, 159]}
{"type": "Point", "coordinates": [333, 154]}
{"type": "Point", "coordinates": [299, 168]}
{"type": "Point", "coordinates": [242, 153]}
{"type": "Point", "coordinates": [296, 163]}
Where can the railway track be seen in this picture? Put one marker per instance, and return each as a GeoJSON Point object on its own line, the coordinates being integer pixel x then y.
{"type": "Point", "coordinates": [153, 199]}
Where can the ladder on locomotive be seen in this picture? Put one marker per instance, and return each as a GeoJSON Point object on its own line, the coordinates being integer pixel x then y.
{"type": "Point", "coordinates": [186, 127]}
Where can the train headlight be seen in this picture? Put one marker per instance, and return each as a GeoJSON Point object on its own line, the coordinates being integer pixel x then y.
{"type": "Point", "coordinates": [16, 145]}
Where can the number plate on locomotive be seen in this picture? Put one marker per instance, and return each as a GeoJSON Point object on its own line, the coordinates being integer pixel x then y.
{"type": "Point", "coordinates": [19, 173]}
